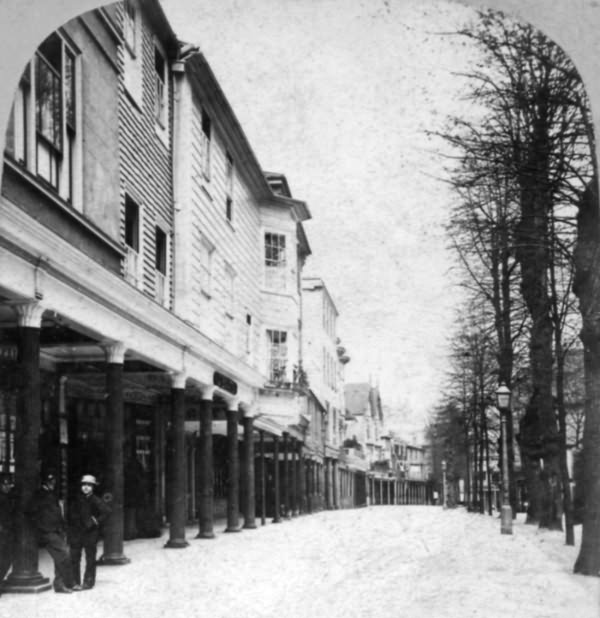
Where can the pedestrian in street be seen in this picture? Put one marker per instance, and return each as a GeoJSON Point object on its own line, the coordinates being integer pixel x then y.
{"type": "Point", "coordinates": [86, 516]}
{"type": "Point", "coordinates": [7, 510]}
{"type": "Point", "coordinates": [47, 516]}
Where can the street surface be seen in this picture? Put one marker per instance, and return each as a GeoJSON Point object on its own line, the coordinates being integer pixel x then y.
{"type": "Point", "coordinates": [413, 561]}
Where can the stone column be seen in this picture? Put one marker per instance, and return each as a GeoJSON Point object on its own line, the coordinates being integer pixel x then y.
{"type": "Point", "coordinates": [233, 468]}
{"type": "Point", "coordinates": [263, 480]}
{"type": "Point", "coordinates": [276, 494]}
{"type": "Point", "coordinates": [309, 485]}
{"type": "Point", "coordinates": [327, 482]}
{"type": "Point", "coordinates": [114, 436]}
{"type": "Point", "coordinates": [334, 484]}
{"type": "Point", "coordinates": [249, 509]}
{"type": "Point", "coordinates": [294, 501]}
{"type": "Point", "coordinates": [286, 476]}
{"type": "Point", "coordinates": [301, 481]}
{"type": "Point", "coordinates": [177, 462]}
{"type": "Point", "coordinates": [25, 576]}
{"type": "Point", "coordinates": [205, 473]}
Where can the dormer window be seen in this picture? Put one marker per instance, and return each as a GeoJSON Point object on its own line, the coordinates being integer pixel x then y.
{"type": "Point", "coordinates": [229, 187]}
{"type": "Point", "coordinates": [205, 145]}
{"type": "Point", "coordinates": [160, 101]}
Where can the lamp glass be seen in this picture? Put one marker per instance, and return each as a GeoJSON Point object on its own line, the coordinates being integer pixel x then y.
{"type": "Point", "coordinates": [503, 397]}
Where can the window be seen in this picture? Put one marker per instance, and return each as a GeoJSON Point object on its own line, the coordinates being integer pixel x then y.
{"type": "Point", "coordinates": [159, 88]}
{"type": "Point", "coordinates": [229, 188]}
{"type": "Point", "coordinates": [205, 145]}
{"type": "Point", "coordinates": [17, 129]}
{"type": "Point", "coordinates": [132, 215]}
{"type": "Point", "coordinates": [42, 131]}
{"type": "Point", "coordinates": [275, 261]}
{"type": "Point", "coordinates": [132, 241]}
{"type": "Point", "coordinates": [161, 251]}
{"type": "Point", "coordinates": [129, 25]}
{"type": "Point", "coordinates": [55, 114]}
{"type": "Point", "coordinates": [277, 355]}
{"type": "Point", "coordinates": [160, 263]}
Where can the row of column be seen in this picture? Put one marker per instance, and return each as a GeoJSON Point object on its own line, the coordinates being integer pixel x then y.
{"type": "Point", "coordinates": [304, 480]}
{"type": "Point", "coordinates": [25, 576]}
{"type": "Point", "coordinates": [394, 491]}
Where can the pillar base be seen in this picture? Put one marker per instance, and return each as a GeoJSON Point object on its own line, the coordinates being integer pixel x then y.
{"type": "Point", "coordinates": [250, 526]}
{"type": "Point", "coordinates": [228, 529]}
{"type": "Point", "coordinates": [176, 544]}
{"type": "Point", "coordinates": [113, 560]}
{"type": "Point", "coordinates": [276, 521]}
{"type": "Point", "coordinates": [506, 519]}
{"type": "Point", "coordinates": [25, 584]}
{"type": "Point", "coordinates": [205, 535]}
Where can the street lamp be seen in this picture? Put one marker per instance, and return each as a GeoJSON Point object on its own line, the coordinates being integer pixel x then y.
{"type": "Point", "coordinates": [444, 483]}
{"type": "Point", "coordinates": [503, 401]}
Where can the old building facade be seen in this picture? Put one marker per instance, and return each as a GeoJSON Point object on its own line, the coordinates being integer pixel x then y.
{"type": "Point", "coordinates": [151, 296]}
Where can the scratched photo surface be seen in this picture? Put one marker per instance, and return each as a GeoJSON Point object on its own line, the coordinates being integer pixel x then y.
{"type": "Point", "coordinates": [297, 308]}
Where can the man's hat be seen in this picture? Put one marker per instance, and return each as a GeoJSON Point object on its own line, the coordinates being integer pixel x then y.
{"type": "Point", "coordinates": [88, 479]}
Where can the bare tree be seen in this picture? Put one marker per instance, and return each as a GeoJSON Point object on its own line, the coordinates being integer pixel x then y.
{"type": "Point", "coordinates": [532, 134]}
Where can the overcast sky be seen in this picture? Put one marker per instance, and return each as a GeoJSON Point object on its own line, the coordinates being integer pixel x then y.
{"type": "Point", "coordinates": [337, 94]}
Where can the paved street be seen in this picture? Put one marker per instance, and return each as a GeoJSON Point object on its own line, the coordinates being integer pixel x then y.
{"type": "Point", "coordinates": [379, 561]}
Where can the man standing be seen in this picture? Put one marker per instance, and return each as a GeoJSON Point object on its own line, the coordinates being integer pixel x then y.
{"type": "Point", "coordinates": [47, 515]}
{"type": "Point", "coordinates": [86, 515]}
{"type": "Point", "coordinates": [7, 508]}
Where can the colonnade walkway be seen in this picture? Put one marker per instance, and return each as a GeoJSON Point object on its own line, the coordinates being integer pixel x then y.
{"type": "Point", "coordinates": [417, 561]}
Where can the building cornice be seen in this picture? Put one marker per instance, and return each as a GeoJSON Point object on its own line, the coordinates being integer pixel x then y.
{"type": "Point", "coordinates": [66, 266]}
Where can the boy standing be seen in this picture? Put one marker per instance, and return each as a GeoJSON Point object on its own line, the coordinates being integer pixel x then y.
{"type": "Point", "coordinates": [86, 515]}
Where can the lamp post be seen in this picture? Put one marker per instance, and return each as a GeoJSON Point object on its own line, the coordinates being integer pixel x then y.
{"type": "Point", "coordinates": [503, 401]}
{"type": "Point", "coordinates": [444, 483]}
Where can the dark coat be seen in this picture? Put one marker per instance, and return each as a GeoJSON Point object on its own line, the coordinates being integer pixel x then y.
{"type": "Point", "coordinates": [46, 513]}
{"type": "Point", "coordinates": [86, 516]}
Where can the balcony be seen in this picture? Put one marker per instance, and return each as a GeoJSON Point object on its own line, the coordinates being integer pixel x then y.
{"type": "Point", "coordinates": [279, 377]}
{"type": "Point", "coordinates": [354, 452]}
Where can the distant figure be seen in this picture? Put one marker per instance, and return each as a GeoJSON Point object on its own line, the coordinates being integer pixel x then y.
{"type": "Point", "coordinates": [47, 515]}
{"type": "Point", "coordinates": [7, 509]}
{"type": "Point", "coordinates": [86, 516]}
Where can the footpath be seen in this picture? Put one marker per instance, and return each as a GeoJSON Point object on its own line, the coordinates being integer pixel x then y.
{"type": "Point", "coordinates": [415, 561]}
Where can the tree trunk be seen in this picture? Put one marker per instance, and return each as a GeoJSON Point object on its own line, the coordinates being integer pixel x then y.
{"type": "Point", "coordinates": [587, 289]}
{"type": "Point", "coordinates": [562, 428]}
{"type": "Point", "coordinates": [531, 473]}
{"type": "Point", "coordinates": [539, 435]}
